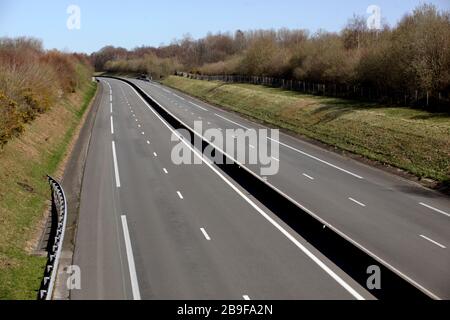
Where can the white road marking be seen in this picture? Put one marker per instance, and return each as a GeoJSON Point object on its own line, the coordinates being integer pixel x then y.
{"type": "Point", "coordinates": [139, 125]}
{"type": "Point", "coordinates": [130, 257]}
{"type": "Point", "coordinates": [165, 171]}
{"type": "Point", "coordinates": [434, 209]}
{"type": "Point", "coordinates": [240, 125]}
{"type": "Point", "coordinates": [196, 105]}
{"type": "Point", "coordinates": [345, 236]}
{"type": "Point", "coordinates": [136, 120]}
{"type": "Point", "coordinates": [155, 154]}
{"type": "Point", "coordinates": [291, 238]}
{"type": "Point", "coordinates": [148, 142]}
{"type": "Point", "coordinates": [205, 234]}
{"type": "Point", "coordinates": [251, 146]}
{"type": "Point", "coordinates": [165, 90]}
{"type": "Point", "coordinates": [275, 159]}
{"type": "Point", "coordinates": [357, 202]}
{"type": "Point", "coordinates": [143, 132]}
{"type": "Point", "coordinates": [432, 241]}
{"type": "Point", "coordinates": [246, 297]}
{"type": "Point", "coordinates": [308, 176]}
{"type": "Point", "coordinates": [116, 167]}
{"type": "Point", "coordinates": [180, 195]}
{"type": "Point", "coordinates": [315, 158]}
{"type": "Point", "coordinates": [179, 97]}
{"type": "Point", "coordinates": [112, 125]}
{"type": "Point", "coordinates": [110, 107]}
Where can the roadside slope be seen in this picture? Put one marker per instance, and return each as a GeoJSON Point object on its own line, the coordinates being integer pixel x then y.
{"type": "Point", "coordinates": [413, 140]}
{"type": "Point", "coordinates": [24, 190]}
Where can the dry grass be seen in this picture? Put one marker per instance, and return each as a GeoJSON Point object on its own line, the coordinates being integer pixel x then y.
{"type": "Point", "coordinates": [414, 140]}
{"type": "Point", "coordinates": [24, 163]}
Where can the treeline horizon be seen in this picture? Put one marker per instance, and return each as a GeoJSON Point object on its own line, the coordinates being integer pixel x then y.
{"type": "Point", "coordinates": [33, 80]}
{"type": "Point", "coordinates": [412, 57]}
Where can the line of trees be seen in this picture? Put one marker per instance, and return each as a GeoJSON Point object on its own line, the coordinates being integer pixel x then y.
{"type": "Point", "coordinates": [32, 80]}
{"type": "Point", "coordinates": [411, 58]}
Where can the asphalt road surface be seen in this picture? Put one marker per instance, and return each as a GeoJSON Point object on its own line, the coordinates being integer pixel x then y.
{"type": "Point", "coordinates": [397, 221]}
{"type": "Point", "coordinates": [150, 229]}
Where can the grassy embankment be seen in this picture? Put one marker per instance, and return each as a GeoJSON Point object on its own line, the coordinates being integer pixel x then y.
{"type": "Point", "coordinates": [24, 191]}
{"type": "Point", "coordinates": [414, 140]}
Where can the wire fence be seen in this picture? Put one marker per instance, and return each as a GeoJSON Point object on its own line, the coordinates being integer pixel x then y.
{"type": "Point", "coordinates": [439, 101]}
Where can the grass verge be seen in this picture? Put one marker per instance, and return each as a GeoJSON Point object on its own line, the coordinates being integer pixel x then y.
{"type": "Point", "coordinates": [414, 140]}
{"type": "Point", "coordinates": [24, 191]}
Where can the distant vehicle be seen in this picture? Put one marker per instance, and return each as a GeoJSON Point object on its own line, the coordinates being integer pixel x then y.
{"type": "Point", "coordinates": [143, 77]}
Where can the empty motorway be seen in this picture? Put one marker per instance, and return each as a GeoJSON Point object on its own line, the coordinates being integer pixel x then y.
{"type": "Point", "coordinates": [149, 229]}
{"type": "Point", "coordinates": [391, 218]}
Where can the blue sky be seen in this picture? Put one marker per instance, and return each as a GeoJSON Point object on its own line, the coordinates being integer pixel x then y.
{"type": "Point", "coordinates": [136, 22]}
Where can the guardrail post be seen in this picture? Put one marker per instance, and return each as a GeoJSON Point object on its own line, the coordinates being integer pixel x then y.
{"type": "Point", "coordinates": [58, 219]}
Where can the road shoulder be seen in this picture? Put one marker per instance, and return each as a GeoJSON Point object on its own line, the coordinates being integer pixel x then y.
{"type": "Point", "coordinates": [71, 182]}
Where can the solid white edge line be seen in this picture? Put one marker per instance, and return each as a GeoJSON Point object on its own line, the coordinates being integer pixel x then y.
{"type": "Point", "coordinates": [116, 167]}
{"type": "Point", "coordinates": [112, 125]}
{"type": "Point", "coordinates": [357, 202]}
{"type": "Point", "coordinates": [205, 234]}
{"type": "Point", "coordinates": [315, 158]}
{"type": "Point", "coordinates": [434, 209]}
{"type": "Point", "coordinates": [196, 105]}
{"type": "Point", "coordinates": [305, 250]}
{"type": "Point", "coordinates": [231, 121]}
{"type": "Point", "coordinates": [131, 265]}
{"type": "Point", "coordinates": [246, 297]}
{"type": "Point", "coordinates": [180, 195]}
{"type": "Point", "coordinates": [432, 241]}
{"type": "Point", "coordinates": [179, 97]}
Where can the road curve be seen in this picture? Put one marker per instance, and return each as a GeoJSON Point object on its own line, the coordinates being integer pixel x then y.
{"type": "Point", "coordinates": [401, 223]}
{"type": "Point", "coordinates": [149, 229]}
